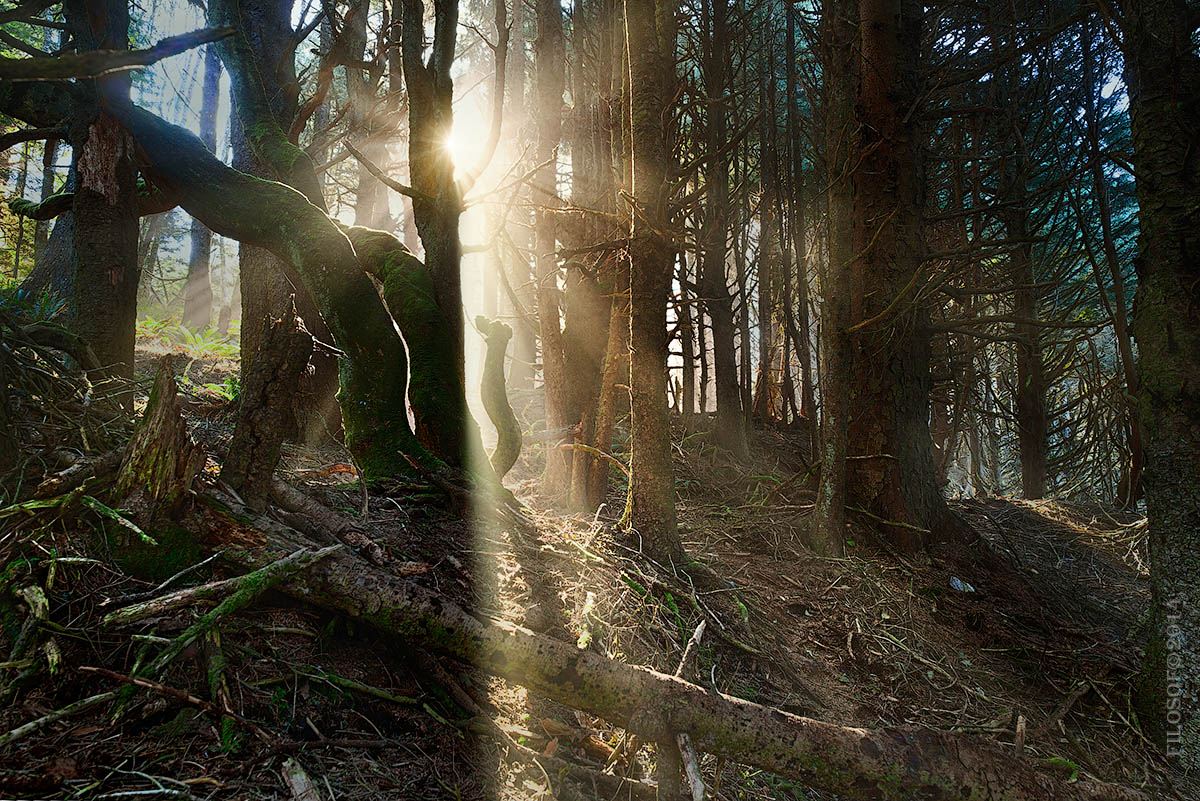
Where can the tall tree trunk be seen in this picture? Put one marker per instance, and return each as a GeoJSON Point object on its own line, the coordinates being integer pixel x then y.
{"type": "Point", "coordinates": [839, 22]}
{"type": "Point", "coordinates": [370, 200]}
{"type": "Point", "coordinates": [1013, 195]}
{"type": "Point", "coordinates": [548, 84]}
{"type": "Point", "coordinates": [438, 205]}
{"type": "Point", "coordinates": [650, 44]}
{"type": "Point", "coordinates": [765, 389]}
{"type": "Point", "coordinates": [105, 267]}
{"type": "Point", "coordinates": [591, 282]}
{"type": "Point", "coordinates": [892, 473]}
{"type": "Point", "coordinates": [260, 61]}
{"type": "Point", "coordinates": [197, 293]}
{"type": "Point", "coordinates": [1163, 75]}
{"type": "Point", "coordinates": [729, 426]}
{"type": "Point", "coordinates": [797, 218]}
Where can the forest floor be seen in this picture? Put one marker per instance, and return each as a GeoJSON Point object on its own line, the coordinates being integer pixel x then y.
{"type": "Point", "coordinates": [1029, 637]}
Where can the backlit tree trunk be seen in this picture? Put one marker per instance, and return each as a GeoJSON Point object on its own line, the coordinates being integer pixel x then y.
{"type": "Point", "coordinates": [650, 42]}
{"type": "Point", "coordinates": [197, 293]}
{"type": "Point", "coordinates": [549, 80]}
{"type": "Point", "coordinates": [729, 426]}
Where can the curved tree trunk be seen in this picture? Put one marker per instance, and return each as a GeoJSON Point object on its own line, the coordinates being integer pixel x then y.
{"type": "Point", "coordinates": [277, 218]}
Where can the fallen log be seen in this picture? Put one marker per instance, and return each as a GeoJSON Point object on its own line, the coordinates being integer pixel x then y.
{"type": "Point", "coordinates": [889, 763]}
{"type": "Point", "coordinates": [896, 764]}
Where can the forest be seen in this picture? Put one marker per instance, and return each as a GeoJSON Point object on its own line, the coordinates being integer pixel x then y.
{"type": "Point", "coordinates": [600, 399]}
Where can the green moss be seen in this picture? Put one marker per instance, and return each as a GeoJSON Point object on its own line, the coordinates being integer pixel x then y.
{"type": "Point", "coordinates": [176, 549]}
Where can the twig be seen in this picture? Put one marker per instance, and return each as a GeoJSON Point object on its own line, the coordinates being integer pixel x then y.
{"type": "Point", "coordinates": [55, 716]}
{"type": "Point", "coordinates": [383, 178]}
{"type": "Point", "coordinates": [178, 695]}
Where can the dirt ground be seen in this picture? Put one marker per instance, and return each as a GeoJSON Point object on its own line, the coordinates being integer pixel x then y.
{"type": "Point", "coordinates": [1032, 633]}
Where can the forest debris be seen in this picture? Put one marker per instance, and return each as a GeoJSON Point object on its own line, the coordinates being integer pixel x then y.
{"type": "Point", "coordinates": [178, 695]}
{"type": "Point", "coordinates": [358, 686]}
{"type": "Point", "coordinates": [822, 755]}
{"type": "Point", "coordinates": [74, 476]}
{"type": "Point", "coordinates": [218, 687]}
{"type": "Point", "coordinates": [298, 782]}
{"type": "Point", "coordinates": [245, 590]}
{"type": "Point", "coordinates": [320, 519]}
{"type": "Point", "coordinates": [180, 599]}
{"type": "Point", "coordinates": [32, 726]}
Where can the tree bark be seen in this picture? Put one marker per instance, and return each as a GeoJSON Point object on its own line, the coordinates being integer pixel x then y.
{"type": "Point", "coordinates": [839, 24]}
{"type": "Point", "coordinates": [1163, 75]}
{"type": "Point", "coordinates": [264, 405]}
{"type": "Point", "coordinates": [437, 208]}
{"type": "Point", "coordinates": [549, 81]}
{"type": "Point", "coordinates": [893, 473]}
{"type": "Point", "coordinates": [104, 261]}
{"type": "Point", "coordinates": [649, 36]}
{"type": "Point", "coordinates": [260, 60]}
{"type": "Point", "coordinates": [729, 427]}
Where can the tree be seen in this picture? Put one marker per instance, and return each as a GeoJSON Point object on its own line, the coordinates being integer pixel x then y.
{"type": "Point", "coordinates": [650, 50]}
{"type": "Point", "coordinates": [1162, 72]}
{"type": "Point", "coordinates": [104, 203]}
{"type": "Point", "coordinates": [887, 446]}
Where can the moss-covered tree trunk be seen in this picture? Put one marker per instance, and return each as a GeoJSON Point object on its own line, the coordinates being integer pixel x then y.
{"type": "Point", "coordinates": [438, 204]}
{"type": "Point", "coordinates": [445, 427]}
{"type": "Point", "coordinates": [1163, 74]}
{"type": "Point", "coordinates": [278, 218]}
{"type": "Point", "coordinates": [260, 60]}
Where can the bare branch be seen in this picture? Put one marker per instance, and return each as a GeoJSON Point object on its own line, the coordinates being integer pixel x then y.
{"type": "Point", "coordinates": [100, 62]}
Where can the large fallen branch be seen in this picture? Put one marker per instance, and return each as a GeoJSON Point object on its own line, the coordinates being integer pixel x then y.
{"type": "Point", "coordinates": [899, 763]}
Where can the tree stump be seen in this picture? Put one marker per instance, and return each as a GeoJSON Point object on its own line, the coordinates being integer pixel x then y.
{"type": "Point", "coordinates": [162, 459]}
{"type": "Point", "coordinates": [265, 407]}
